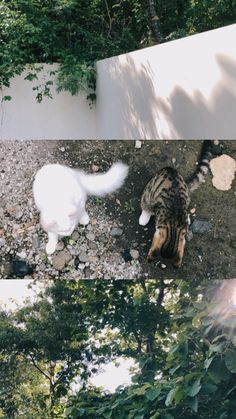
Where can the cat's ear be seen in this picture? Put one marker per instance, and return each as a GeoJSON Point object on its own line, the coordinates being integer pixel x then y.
{"type": "Point", "coordinates": [157, 243]}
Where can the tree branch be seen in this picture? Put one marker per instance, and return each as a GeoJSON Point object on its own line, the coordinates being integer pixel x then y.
{"type": "Point", "coordinates": [109, 16]}
{"type": "Point", "coordinates": [38, 368]}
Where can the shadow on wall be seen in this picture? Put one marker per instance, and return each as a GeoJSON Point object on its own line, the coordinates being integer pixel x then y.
{"type": "Point", "coordinates": [195, 117]}
{"type": "Point", "coordinates": [138, 109]}
{"type": "Point", "coordinates": [132, 101]}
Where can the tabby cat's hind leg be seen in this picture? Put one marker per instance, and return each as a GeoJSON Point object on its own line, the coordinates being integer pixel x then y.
{"type": "Point", "coordinates": [144, 218]}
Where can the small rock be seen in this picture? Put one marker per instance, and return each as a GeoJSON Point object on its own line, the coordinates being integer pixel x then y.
{"type": "Point", "coordinates": [89, 227]}
{"type": "Point", "coordinates": [81, 266]}
{"type": "Point", "coordinates": [90, 236]}
{"type": "Point", "coordinates": [61, 259]}
{"type": "Point", "coordinates": [126, 255]}
{"type": "Point", "coordinates": [83, 257]}
{"type": "Point", "coordinates": [103, 238]}
{"type": "Point", "coordinates": [20, 268]}
{"type": "Point", "coordinates": [163, 266]}
{"type": "Point", "coordinates": [233, 243]}
{"type": "Point", "coordinates": [22, 254]}
{"type": "Point", "coordinates": [93, 259]}
{"type": "Point", "coordinates": [88, 272]}
{"type": "Point", "coordinates": [95, 168]}
{"type": "Point", "coordinates": [2, 242]}
{"type": "Point", "coordinates": [62, 149]}
{"type": "Point", "coordinates": [189, 235]}
{"type": "Point", "coordinates": [18, 215]}
{"type": "Point", "coordinates": [75, 235]}
{"type": "Point", "coordinates": [92, 245]}
{"type": "Point", "coordinates": [36, 242]}
{"type": "Point", "coordinates": [134, 253]}
{"type": "Point", "coordinates": [174, 160]}
{"type": "Point", "coordinates": [193, 210]}
{"type": "Point", "coordinates": [116, 232]}
{"type": "Point", "coordinates": [60, 246]}
{"type": "Point", "coordinates": [200, 226]}
{"type": "Point", "coordinates": [138, 144]}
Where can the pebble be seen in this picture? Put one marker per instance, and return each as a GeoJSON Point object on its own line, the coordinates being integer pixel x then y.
{"type": "Point", "coordinates": [22, 254]}
{"type": "Point", "coordinates": [20, 268]}
{"type": "Point", "coordinates": [90, 236]}
{"type": "Point", "coordinates": [2, 242]}
{"type": "Point", "coordinates": [116, 232]}
{"type": "Point", "coordinates": [126, 255]}
{"type": "Point", "coordinates": [199, 226]}
{"type": "Point", "coordinates": [60, 260]}
{"type": "Point", "coordinates": [233, 243]}
{"type": "Point", "coordinates": [138, 144]}
{"type": "Point", "coordinates": [36, 242]}
{"type": "Point", "coordinates": [95, 168]}
{"type": "Point", "coordinates": [92, 259]}
{"type": "Point", "coordinates": [189, 235]}
{"type": "Point", "coordinates": [134, 253]}
{"type": "Point", "coordinates": [75, 235]}
{"type": "Point", "coordinates": [83, 257]}
{"type": "Point", "coordinates": [89, 227]}
{"type": "Point", "coordinates": [60, 246]}
{"type": "Point", "coordinates": [92, 245]}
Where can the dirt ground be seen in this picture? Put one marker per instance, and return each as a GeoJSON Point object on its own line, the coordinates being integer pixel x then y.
{"type": "Point", "coordinates": [93, 251]}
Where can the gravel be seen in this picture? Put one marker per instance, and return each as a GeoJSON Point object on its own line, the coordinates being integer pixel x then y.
{"type": "Point", "coordinates": [91, 252]}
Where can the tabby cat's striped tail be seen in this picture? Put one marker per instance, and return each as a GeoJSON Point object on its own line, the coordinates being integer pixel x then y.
{"type": "Point", "coordinates": [209, 150]}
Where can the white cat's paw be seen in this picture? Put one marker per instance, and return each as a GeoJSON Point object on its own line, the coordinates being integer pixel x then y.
{"type": "Point", "coordinates": [84, 220]}
{"type": "Point", "coordinates": [144, 218]}
{"type": "Point", "coordinates": [50, 248]}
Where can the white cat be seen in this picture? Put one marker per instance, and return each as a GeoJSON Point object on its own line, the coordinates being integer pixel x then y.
{"type": "Point", "coordinates": [60, 195]}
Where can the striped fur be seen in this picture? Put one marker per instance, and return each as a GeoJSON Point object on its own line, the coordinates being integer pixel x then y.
{"type": "Point", "coordinates": [207, 153]}
{"type": "Point", "coordinates": [167, 198]}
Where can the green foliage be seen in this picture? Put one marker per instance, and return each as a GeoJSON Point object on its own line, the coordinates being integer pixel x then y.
{"type": "Point", "coordinates": [77, 33]}
{"type": "Point", "coordinates": [180, 337]}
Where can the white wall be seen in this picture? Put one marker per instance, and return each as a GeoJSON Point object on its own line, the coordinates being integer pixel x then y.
{"type": "Point", "coordinates": [63, 117]}
{"type": "Point", "coordinates": [180, 89]}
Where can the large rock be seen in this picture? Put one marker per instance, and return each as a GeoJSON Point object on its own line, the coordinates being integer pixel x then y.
{"type": "Point", "coordinates": [200, 226]}
{"type": "Point", "coordinates": [60, 260]}
{"type": "Point", "coordinates": [116, 231]}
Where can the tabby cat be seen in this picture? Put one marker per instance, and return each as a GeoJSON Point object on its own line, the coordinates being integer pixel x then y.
{"type": "Point", "coordinates": [167, 197]}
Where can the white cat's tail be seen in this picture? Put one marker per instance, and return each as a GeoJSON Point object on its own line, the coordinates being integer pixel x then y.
{"type": "Point", "coordinates": [104, 183]}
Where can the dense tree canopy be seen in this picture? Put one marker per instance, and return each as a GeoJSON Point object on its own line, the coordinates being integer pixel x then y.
{"type": "Point", "coordinates": [181, 337]}
{"type": "Point", "coordinates": [76, 33]}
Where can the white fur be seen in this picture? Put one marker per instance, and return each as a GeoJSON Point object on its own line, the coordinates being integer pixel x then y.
{"type": "Point", "coordinates": [60, 195]}
{"type": "Point", "coordinates": [144, 218]}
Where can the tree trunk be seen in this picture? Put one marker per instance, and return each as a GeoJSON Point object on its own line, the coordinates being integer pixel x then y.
{"type": "Point", "coordinates": [154, 22]}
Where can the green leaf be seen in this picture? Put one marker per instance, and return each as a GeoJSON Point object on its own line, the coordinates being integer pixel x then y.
{"type": "Point", "coordinates": [174, 394]}
{"type": "Point", "coordinates": [193, 404]}
{"type": "Point", "coordinates": [152, 393]}
{"type": "Point", "coordinates": [230, 361]}
{"type": "Point", "coordinates": [194, 389]}
{"type": "Point", "coordinates": [209, 388]}
{"type": "Point", "coordinates": [7, 98]}
{"type": "Point", "coordinates": [217, 347]}
{"type": "Point", "coordinates": [208, 362]}
{"type": "Point", "coordinates": [218, 371]}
